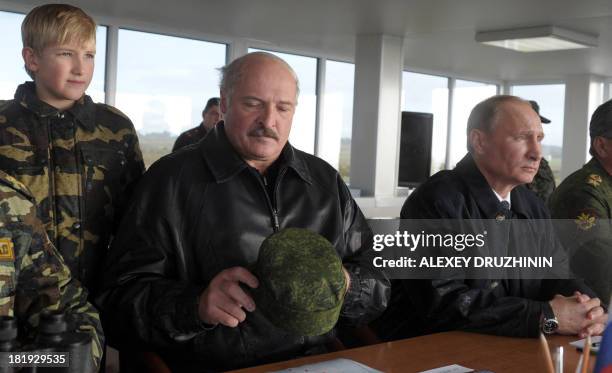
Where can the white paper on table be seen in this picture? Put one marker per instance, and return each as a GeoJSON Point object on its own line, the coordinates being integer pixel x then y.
{"type": "Point", "coordinates": [449, 369]}
{"type": "Point", "coordinates": [595, 342]}
{"type": "Point", "coordinates": [332, 366]}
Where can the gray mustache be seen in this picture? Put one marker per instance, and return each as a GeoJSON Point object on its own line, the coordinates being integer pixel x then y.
{"type": "Point", "coordinates": [264, 132]}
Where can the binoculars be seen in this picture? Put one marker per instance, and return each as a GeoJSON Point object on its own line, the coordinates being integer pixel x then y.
{"type": "Point", "coordinates": [56, 348]}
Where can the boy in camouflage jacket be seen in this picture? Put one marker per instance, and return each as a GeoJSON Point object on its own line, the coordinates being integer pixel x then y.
{"type": "Point", "coordinates": [77, 158]}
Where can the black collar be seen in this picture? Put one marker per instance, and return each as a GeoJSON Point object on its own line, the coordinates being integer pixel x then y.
{"type": "Point", "coordinates": [201, 128]}
{"type": "Point", "coordinates": [225, 163]}
{"type": "Point", "coordinates": [83, 109]}
{"type": "Point", "coordinates": [485, 197]}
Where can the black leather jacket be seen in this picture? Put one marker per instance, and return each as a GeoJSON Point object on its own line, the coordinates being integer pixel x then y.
{"type": "Point", "coordinates": [201, 210]}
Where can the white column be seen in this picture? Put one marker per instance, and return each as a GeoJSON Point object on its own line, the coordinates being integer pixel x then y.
{"type": "Point", "coordinates": [320, 90]}
{"type": "Point", "coordinates": [583, 93]}
{"type": "Point", "coordinates": [236, 49]}
{"type": "Point", "coordinates": [376, 114]}
{"type": "Point", "coordinates": [110, 78]}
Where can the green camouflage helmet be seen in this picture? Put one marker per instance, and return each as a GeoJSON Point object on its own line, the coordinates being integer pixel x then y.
{"type": "Point", "coordinates": [301, 282]}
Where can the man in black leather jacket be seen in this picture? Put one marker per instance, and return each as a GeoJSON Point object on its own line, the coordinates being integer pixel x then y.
{"type": "Point", "coordinates": [504, 135]}
{"type": "Point", "coordinates": [177, 276]}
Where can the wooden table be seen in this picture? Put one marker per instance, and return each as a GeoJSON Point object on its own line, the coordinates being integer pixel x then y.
{"type": "Point", "coordinates": [476, 351]}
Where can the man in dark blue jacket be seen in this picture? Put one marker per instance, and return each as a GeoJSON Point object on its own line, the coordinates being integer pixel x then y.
{"type": "Point", "coordinates": [504, 151]}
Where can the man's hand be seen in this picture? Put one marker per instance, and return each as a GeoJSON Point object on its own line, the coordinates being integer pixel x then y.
{"type": "Point", "coordinates": [348, 279]}
{"type": "Point", "coordinates": [223, 300]}
{"type": "Point", "coordinates": [579, 315]}
{"type": "Point", "coordinates": [597, 314]}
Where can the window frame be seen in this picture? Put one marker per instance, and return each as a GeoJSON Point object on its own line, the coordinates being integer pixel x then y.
{"type": "Point", "coordinates": [452, 79]}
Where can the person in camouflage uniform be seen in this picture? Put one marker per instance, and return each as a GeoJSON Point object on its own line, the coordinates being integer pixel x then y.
{"type": "Point", "coordinates": [77, 158]}
{"type": "Point", "coordinates": [33, 276]}
{"type": "Point", "coordinates": [211, 115]}
{"type": "Point", "coordinates": [585, 197]}
{"type": "Point", "coordinates": [543, 183]}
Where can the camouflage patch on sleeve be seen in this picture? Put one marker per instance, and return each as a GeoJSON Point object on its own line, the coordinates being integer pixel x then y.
{"type": "Point", "coordinates": [7, 252]}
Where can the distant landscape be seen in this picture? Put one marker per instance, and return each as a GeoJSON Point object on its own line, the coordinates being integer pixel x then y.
{"type": "Point", "coordinates": [156, 145]}
{"type": "Point", "coordinates": [553, 156]}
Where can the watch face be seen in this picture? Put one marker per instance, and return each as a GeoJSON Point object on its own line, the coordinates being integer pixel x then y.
{"type": "Point", "coordinates": [550, 326]}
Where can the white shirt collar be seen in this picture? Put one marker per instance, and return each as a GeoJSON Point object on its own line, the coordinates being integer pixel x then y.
{"type": "Point", "coordinates": [507, 199]}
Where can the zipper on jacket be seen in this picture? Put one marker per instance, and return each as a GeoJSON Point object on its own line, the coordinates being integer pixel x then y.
{"type": "Point", "coordinates": [78, 156]}
{"type": "Point", "coordinates": [263, 181]}
{"type": "Point", "coordinates": [279, 177]}
{"type": "Point", "coordinates": [52, 192]}
{"type": "Point", "coordinates": [275, 217]}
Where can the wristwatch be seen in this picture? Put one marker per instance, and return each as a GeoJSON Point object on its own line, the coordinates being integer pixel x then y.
{"type": "Point", "coordinates": [548, 323]}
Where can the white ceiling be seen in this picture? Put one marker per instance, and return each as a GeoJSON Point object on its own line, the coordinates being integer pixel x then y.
{"type": "Point", "coordinates": [439, 34]}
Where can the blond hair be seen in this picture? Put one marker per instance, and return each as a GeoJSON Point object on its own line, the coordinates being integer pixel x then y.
{"type": "Point", "coordinates": [56, 24]}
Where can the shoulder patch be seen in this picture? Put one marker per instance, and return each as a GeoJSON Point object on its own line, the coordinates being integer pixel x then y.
{"type": "Point", "coordinates": [6, 250]}
{"type": "Point", "coordinates": [585, 220]}
{"type": "Point", "coordinates": [594, 180]}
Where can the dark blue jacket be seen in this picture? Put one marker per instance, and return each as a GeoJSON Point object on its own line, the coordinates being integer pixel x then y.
{"type": "Point", "coordinates": [510, 307]}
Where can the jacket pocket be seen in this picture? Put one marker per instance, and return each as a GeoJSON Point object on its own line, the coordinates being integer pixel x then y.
{"type": "Point", "coordinates": [103, 182]}
{"type": "Point", "coordinates": [103, 170]}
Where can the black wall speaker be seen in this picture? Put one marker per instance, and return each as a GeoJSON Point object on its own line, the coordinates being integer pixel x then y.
{"type": "Point", "coordinates": [415, 148]}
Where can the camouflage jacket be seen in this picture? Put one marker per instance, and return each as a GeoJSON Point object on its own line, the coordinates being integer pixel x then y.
{"type": "Point", "coordinates": [585, 197]}
{"type": "Point", "coordinates": [190, 137]}
{"type": "Point", "coordinates": [33, 276]}
{"type": "Point", "coordinates": [78, 164]}
{"type": "Point", "coordinates": [543, 183]}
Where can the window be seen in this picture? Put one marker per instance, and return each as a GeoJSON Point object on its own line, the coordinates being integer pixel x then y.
{"type": "Point", "coordinates": [337, 124]}
{"type": "Point", "coordinates": [596, 98]}
{"type": "Point", "coordinates": [11, 63]}
{"type": "Point", "coordinates": [163, 83]}
{"type": "Point", "coordinates": [465, 96]}
{"type": "Point", "coordinates": [551, 99]}
{"type": "Point", "coordinates": [429, 94]}
{"type": "Point", "coordinates": [303, 129]}
{"type": "Point", "coordinates": [96, 87]}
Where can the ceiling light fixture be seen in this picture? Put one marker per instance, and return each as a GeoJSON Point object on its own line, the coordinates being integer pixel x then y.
{"type": "Point", "coordinates": [537, 39]}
